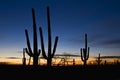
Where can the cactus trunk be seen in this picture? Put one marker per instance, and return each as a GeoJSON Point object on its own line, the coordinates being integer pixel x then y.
{"type": "Point", "coordinates": [35, 60]}
{"type": "Point", "coordinates": [85, 63]}
{"type": "Point", "coordinates": [49, 60]}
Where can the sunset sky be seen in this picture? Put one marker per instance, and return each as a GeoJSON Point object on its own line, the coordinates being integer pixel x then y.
{"type": "Point", "coordinates": [70, 20]}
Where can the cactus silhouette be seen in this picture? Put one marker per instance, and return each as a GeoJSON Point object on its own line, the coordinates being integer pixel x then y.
{"type": "Point", "coordinates": [105, 62]}
{"type": "Point", "coordinates": [117, 62]}
{"type": "Point", "coordinates": [73, 62]}
{"type": "Point", "coordinates": [35, 53]}
{"type": "Point", "coordinates": [24, 59]}
{"type": "Point", "coordinates": [98, 59]}
{"type": "Point", "coordinates": [50, 52]}
{"type": "Point", "coordinates": [85, 52]}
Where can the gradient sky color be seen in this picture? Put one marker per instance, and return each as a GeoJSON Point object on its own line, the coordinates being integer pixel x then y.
{"type": "Point", "coordinates": [70, 20]}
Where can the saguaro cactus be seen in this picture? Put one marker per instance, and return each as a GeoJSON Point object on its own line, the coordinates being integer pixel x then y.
{"type": "Point", "coordinates": [24, 59]}
{"type": "Point", "coordinates": [105, 62]}
{"type": "Point", "coordinates": [35, 53]}
{"type": "Point", "coordinates": [98, 59]}
{"type": "Point", "coordinates": [85, 52]}
{"type": "Point", "coordinates": [50, 52]}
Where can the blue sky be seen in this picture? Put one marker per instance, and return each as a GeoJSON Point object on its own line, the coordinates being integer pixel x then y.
{"type": "Point", "coordinates": [70, 20]}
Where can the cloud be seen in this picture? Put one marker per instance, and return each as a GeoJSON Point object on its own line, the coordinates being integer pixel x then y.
{"type": "Point", "coordinates": [98, 40]}
{"type": "Point", "coordinates": [112, 22]}
{"type": "Point", "coordinates": [92, 39]}
{"type": "Point", "coordinates": [108, 43]}
{"type": "Point", "coordinates": [19, 51]}
{"type": "Point", "coordinates": [104, 40]}
{"type": "Point", "coordinates": [112, 42]}
{"type": "Point", "coordinates": [13, 57]}
{"type": "Point", "coordinates": [68, 54]}
{"type": "Point", "coordinates": [76, 39]}
{"type": "Point", "coordinates": [96, 37]}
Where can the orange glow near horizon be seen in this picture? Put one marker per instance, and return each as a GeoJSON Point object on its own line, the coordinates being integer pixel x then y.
{"type": "Point", "coordinates": [56, 61]}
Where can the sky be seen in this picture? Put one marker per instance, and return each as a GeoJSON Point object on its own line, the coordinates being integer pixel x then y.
{"type": "Point", "coordinates": [70, 20]}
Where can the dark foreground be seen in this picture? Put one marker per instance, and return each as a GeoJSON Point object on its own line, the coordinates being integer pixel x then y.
{"type": "Point", "coordinates": [17, 72]}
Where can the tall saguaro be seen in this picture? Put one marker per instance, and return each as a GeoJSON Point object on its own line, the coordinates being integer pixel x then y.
{"type": "Point", "coordinates": [85, 52]}
{"type": "Point", "coordinates": [35, 53]}
{"type": "Point", "coordinates": [50, 52]}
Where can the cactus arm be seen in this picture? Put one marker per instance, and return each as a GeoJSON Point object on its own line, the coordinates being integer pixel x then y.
{"type": "Point", "coordinates": [42, 43]}
{"type": "Point", "coordinates": [28, 42]}
{"type": "Point", "coordinates": [55, 45]}
{"type": "Point", "coordinates": [30, 54]}
{"type": "Point", "coordinates": [81, 54]}
{"type": "Point", "coordinates": [39, 52]}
